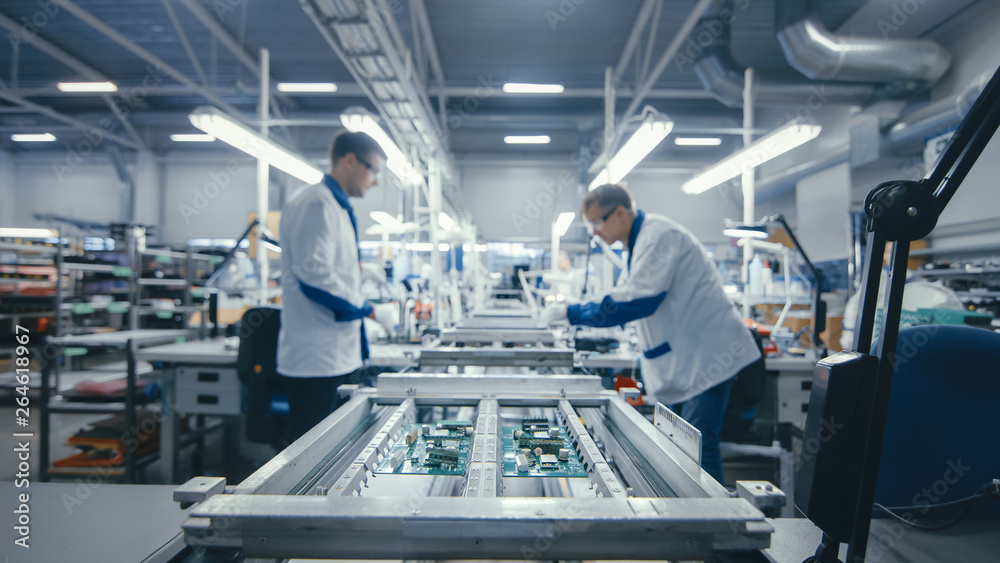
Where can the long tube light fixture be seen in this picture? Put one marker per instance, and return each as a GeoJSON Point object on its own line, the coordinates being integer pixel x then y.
{"type": "Point", "coordinates": [307, 87]}
{"type": "Point", "coordinates": [775, 143]}
{"type": "Point", "coordinates": [697, 141]}
{"type": "Point", "coordinates": [527, 139]}
{"type": "Point", "coordinates": [358, 120]}
{"type": "Point", "coordinates": [87, 87]}
{"type": "Point", "coordinates": [642, 142]}
{"type": "Point", "coordinates": [192, 138]}
{"type": "Point", "coordinates": [525, 88]}
{"type": "Point", "coordinates": [32, 137]}
{"type": "Point", "coordinates": [563, 222]}
{"type": "Point", "coordinates": [388, 224]}
{"type": "Point", "coordinates": [15, 232]}
{"type": "Point", "coordinates": [445, 222]}
{"type": "Point", "coordinates": [386, 220]}
{"type": "Point", "coordinates": [231, 132]}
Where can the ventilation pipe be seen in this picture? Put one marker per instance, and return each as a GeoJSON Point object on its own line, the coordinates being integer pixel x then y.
{"type": "Point", "coordinates": [720, 76]}
{"type": "Point", "coordinates": [907, 136]}
{"type": "Point", "coordinates": [907, 65]}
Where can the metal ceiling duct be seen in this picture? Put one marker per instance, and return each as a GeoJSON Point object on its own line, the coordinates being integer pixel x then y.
{"type": "Point", "coordinates": [907, 135]}
{"type": "Point", "coordinates": [906, 64]}
{"type": "Point", "coordinates": [721, 77]}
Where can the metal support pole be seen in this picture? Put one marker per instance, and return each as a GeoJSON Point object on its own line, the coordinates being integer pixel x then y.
{"type": "Point", "coordinates": [263, 174]}
{"type": "Point", "coordinates": [747, 179]}
{"type": "Point", "coordinates": [434, 203]}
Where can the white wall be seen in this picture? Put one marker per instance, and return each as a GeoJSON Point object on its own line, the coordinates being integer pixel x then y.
{"type": "Point", "coordinates": [703, 214]}
{"type": "Point", "coordinates": [519, 201]}
{"type": "Point", "coordinates": [89, 190]}
{"type": "Point", "coordinates": [522, 201]}
{"type": "Point", "coordinates": [823, 202]}
{"type": "Point", "coordinates": [199, 196]}
{"type": "Point", "coordinates": [205, 199]}
{"type": "Point", "coordinates": [975, 45]}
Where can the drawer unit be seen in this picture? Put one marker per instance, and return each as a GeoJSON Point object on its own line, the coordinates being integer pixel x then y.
{"type": "Point", "coordinates": [793, 397]}
{"type": "Point", "coordinates": [204, 390]}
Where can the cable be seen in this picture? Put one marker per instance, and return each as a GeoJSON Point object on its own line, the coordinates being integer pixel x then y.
{"type": "Point", "coordinates": [944, 526]}
{"type": "Point", "coordinates": [989, 491]}
{"type": "Point", "coordinates": [586, 268]}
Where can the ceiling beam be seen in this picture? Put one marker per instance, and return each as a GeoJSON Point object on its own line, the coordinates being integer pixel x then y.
{"type": "Point", "coordinates": [184, 41]}
{"type": "Point", "coordinates": [496, 92]}
{"type": "Point", "coordinates": [251, 93]}
{"type": "Point", "coordinates": [671, 50]}
{"type": "Point", "coordinates": [641, 20]}
{"type": "Point", "coordinates": [229, 42]}
{"type": "Point", "coordinates": [159, 64]}
{"type": "Point", "coordinates": [6, 94]}
{"type": "Point", "coordinates": [76, 64]}
{"type": "Point", "coordinates": [420, 9]}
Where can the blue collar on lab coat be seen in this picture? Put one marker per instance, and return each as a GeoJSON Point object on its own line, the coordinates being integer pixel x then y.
{"type": "Point", "coordinates": [341, 197]}
{"type": "Point", "coordinates": [634, 234]}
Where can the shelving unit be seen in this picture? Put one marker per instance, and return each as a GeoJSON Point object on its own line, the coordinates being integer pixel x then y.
{"type": "Point", "coordinates": [973, 274]}
{"type": "Point", "coordinates": [54, 403]}
{"type": "Point", "coordinates": [13, 303]}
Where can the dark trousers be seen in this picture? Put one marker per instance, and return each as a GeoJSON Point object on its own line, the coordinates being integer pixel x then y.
{"type": "Point", "coordinates": [311, 399]}
{"type": "Point", "coordinates": [706, 412]}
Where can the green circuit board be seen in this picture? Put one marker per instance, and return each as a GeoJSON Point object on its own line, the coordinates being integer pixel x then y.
{"type": "Point", "coordinates": [430, 449]}
{"type": "Point", "coordinates": [540, 444]}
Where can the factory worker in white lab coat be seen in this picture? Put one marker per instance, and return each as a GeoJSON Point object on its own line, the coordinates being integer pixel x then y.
{"type": "Point", "coordinates": [693, 340]}
{"type": "Point", "coordinates": [322, 343]}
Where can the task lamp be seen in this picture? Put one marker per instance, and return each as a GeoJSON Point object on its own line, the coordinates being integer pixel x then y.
{"type": "Point", "coordinates": [758, 231]}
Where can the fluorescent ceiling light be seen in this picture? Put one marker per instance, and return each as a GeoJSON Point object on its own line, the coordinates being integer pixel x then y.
{"type": "Point", "coordinates": [445, 222]}
{"type": "Point", "coordinates": [87, 87]}
{"type": "Point", "coordinates": [526, 139]}
{"type": "Point", "coordinates": [775, 143]}
{"type": "Point", "coordinates": [385, 219]}
{"type": "Point", "coordinates": [33, 137]}
{"type": "Point", "coordinates": [387, 224]}
{"type": "Point", "coordinates": [563, 222]}
{"type": "Point", "coordinates": [228, 130]}
{"type": "Point", "coordinates": [480, 248]}
{"type": "Point", "coordinates": [697, 141]}
{"type": "Point", "coordinates": [363, 122]}
{"type": "Point", "coordinates": [523, 88]}
{"type": "Point", "coordinates": [419, 246]}
{"type": "Point", "coordinates": [307, 87]}
{"type": "Point", "coordinates": [28, 233]}
{"type": "Point", "coordinates": [742, 231]}
{"type": "Point", "coordinates": [443, 246]}
{"type": "Point", "coordinates": [192, 138]}
{"type": "Point", "coordinates": [642, 142]}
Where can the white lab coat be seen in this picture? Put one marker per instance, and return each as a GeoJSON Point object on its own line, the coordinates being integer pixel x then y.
{"type": "Point", "coordinates": [320, 249]}
{"type": "Point", "coordinates": [694, 338]}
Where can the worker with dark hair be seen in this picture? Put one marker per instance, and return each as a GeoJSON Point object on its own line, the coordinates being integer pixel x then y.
{"type": "Point", "coordinates": [322, 340]}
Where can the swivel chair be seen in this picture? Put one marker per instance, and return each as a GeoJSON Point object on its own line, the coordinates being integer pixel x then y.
{"type": "Point", "coordinates": [256, 365]}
